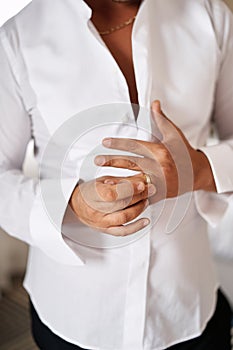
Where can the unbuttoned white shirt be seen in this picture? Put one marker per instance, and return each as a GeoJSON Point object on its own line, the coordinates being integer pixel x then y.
{"type": "Point", "coordinates": [159, 289]}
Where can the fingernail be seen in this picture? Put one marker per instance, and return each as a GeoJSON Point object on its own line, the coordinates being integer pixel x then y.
{"type": "Point", "coordinates": [156, 106]}
{"type": "Point", "coordinates": [140, 186]}
{"type": "Point", "coordinates": [147, 203]}
{"type": "Point", "coordinates": [151, 190]}
{"type": "Point", "coordinates": [107, 142]}
{"type": "Point", "coordinates": [100, 160]}
{"type": "Point", "coordinates": [146, 222]}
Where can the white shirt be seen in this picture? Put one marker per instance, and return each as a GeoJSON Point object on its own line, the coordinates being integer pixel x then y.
{"type": "Point", "coordinates": [160, 289]}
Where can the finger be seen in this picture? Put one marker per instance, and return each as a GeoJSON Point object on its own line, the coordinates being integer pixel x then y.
{"type": "Point", "coordinates": [159, 120]}
{"type": "Point", "coordinates": [126, 230]}
{"type": "Point", "coordinates": [132, 163]}
{"type": "Point", "coordinates": [156, 107]}
{"type": "Point", "coordinates": [126, 215]}
{"type": "Point", "coordinates": [145, 165]}
{"type": "Point", "coordinates": [138, 178]}
{"type": "Point", "coordinates": [124, 188]}
{"type": "Point", "coordinates": [149, 192]}
{"type": "Point", "coordinates": [106, 207]}
{"type": "Point", "coordinates": [161, 123]}
{"type": "Point", "coordinates": [110, 182]}
{"type": "Point", "coordinates": [139, 147]}
{"type": "Point", "coordinates": [156, 133]}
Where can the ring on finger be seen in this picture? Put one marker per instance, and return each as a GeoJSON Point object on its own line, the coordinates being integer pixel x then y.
{"type": "Point", "coordinates": [147, 178]}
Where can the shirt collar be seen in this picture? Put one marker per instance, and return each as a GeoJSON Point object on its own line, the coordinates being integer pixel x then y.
{"type": "Point", "coordinates": [85, 10]}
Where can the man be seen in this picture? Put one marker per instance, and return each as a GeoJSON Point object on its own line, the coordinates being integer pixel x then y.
{"type": "Point", "coordinates": [64, 58]}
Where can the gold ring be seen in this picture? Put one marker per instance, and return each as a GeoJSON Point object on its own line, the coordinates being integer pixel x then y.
{"type": "Point", "coordinates": [147, 179]}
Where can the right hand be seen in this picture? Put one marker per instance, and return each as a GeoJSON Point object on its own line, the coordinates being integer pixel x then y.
{"type": "Point", "coordinates": [109, 203]}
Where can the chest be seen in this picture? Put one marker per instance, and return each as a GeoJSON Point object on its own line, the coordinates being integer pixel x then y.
{"type": "Point", "coordinates": [119, 44]}
{"type": "Point", "coordinates": [166, 59]}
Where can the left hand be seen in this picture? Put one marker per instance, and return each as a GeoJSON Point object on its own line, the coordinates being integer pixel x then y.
{"type": "Point", "coordinates": [173, 165]}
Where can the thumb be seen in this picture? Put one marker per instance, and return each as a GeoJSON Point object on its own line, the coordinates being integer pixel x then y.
{"type": "Point", "coordinates": [158, 121]}
{"type": "Point", "coordinates": [156, 107]}
{"type": "Point", "coordinates": [162, 127]}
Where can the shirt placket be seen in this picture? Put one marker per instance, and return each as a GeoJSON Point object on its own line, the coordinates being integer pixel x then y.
{"type": "Point", "coordinates": [135, 304]}
{"type": "Point", "coordinates": [136, 289]}
{"type": "Point", "coordinates": [136, 297]}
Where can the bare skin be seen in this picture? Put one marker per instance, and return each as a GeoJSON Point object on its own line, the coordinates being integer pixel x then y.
{"type": "Point", "coordinates": [109, 203]}
{"type": "Point", "coordinates": [163, 159]}
{"type": "Point", "coordinates": [107, 14]}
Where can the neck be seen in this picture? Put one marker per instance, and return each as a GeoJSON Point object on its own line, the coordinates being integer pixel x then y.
{"type": "Point", "coordinates": [107, 13]}
{"type": "Point", "coordinates": [110, 5]}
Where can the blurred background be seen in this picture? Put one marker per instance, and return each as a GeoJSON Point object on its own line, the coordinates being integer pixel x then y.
{"type": "Point", "coordinates": [14, 322]}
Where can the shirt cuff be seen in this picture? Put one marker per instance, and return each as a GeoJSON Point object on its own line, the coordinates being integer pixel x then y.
{"type": "Point", "coordinates": [213, 206]}
{"type": "Point", "coordinates": [46, 220]}
{"type": "Point", "coordinates": [220, 158]}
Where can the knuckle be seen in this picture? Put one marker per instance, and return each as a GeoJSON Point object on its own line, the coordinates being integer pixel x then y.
{"type": "Point", "coordinates": [105, 222]}
{"type": "Point", "coordinates": [109, 161]}
{"type": "Point", "coordinates": [166, 153]}
{"type": "Point", "coordinates": [131, 164]}
{"type": "Point", "coordinates": [123, 217]}
{"type": "Point", "coordinates": [132, 146]}
{"type": "Point", "coordinates": [117, 219]}
{"type": "Point", "coordinates": [168, 164]}
{"type": "Point", "coordinates": [111, 220]}
{"type": "Point", "coordinates": [109, 194]}
{"type": "Point", "coordinates": [98, 188]}
{"type": "Point", "coordinates": [124, 203]}
{"type": "Point", "coordinates": [141, 196]}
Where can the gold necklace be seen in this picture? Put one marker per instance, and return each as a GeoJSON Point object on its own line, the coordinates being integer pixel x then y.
{"type": "Point", "coordinates": [118, 27]}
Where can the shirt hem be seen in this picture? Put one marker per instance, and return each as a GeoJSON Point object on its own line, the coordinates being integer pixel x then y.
{"type": "Point", "coordinates": [69, 340]}
{"type": "Point", "coordinates": [194, 335]}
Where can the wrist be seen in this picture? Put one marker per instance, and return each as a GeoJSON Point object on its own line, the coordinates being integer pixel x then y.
{"type": "Point", "coordinates": [203, 175]}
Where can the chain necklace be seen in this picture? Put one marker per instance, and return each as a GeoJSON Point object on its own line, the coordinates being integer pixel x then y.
{"type": "Point", "coordinates": [118, 27]}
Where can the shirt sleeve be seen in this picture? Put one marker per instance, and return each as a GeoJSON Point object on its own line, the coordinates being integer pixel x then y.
{"type": "Point", "coordinates": [22, 212]}
{"type": "Point", "coordinates": [211, 206]}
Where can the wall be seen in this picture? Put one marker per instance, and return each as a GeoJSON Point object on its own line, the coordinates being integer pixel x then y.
{"type": "Point", "coordinates": [229, 3]}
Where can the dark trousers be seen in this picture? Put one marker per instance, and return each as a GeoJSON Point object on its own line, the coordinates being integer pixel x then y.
{"type": "Point", "coordinates": [216, 336]}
